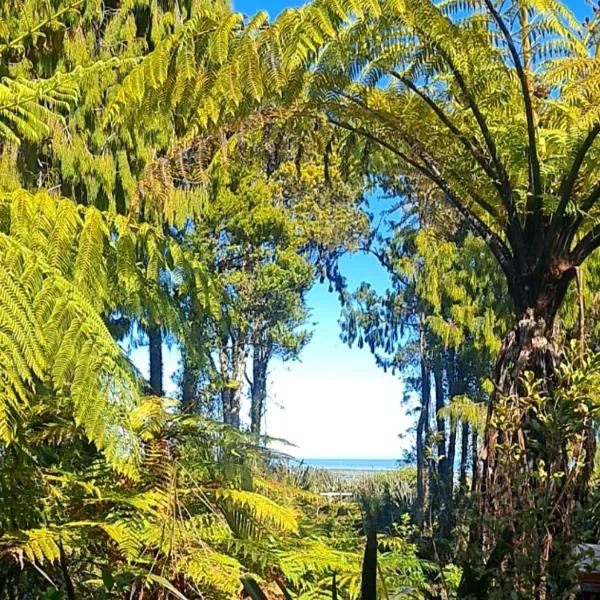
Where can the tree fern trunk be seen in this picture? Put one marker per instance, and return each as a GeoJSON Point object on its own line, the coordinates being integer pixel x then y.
{"type": "Point", "coordinates": [156, 360]}
{"type": "Point", "coordinates": [368, 587]}
{"type": "Point", "coordinates": [525, 442]}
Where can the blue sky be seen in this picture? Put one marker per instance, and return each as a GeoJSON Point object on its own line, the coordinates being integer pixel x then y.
{"type": "Point", "coordinates": [334, 403]}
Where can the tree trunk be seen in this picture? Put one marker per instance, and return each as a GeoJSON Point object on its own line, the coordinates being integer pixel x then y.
{"type": "Point", "coordinates": [440, 421]}
{"type": "Point", "coordinates": [447, 519]}
{"type": "Point", "coordinates": [258, 400]}
{"type": "Point", "coordinates": [232, 364]}
{"type": "Point", "coordinates": [536, 462]}
{"type": "Point", "coordinates": [188, 381]}
{"type": "Point", "coordinates": [456, 386]}
{"type": "Point", "coordinates": [474, 460]}
{"type": "Point", "coordinates": [464, 456]}
{"type": "Point", "coordinates": [368, 588]}
{"type": "Point", "coordinates": [422, 433]}
{"type": "Point", "coordinates": [449, 475]}
{"type": "Point", "coordinates": [156, 360]}
{"type": "Point", "coordinates": [443, 478]}
{"type": "Point", "coordinates": [223, 372]}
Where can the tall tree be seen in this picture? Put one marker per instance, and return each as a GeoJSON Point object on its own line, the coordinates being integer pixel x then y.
{"type": "Point", "coordinates": [435, 325]}
{"type": "Point", "coordinates": [277, 213]}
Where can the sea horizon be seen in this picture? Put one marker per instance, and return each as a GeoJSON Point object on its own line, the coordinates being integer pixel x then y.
{"type": "Point", "coordinates": [353, 464]}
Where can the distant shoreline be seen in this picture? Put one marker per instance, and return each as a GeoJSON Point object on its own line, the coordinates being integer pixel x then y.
{"type": "Point", "coordinates": [352, 467]}
{"type": "Point", "coordinates": [357, 473]}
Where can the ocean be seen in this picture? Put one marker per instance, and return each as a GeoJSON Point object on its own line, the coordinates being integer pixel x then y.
{"type": "Point", "coordinates": [353, 464]}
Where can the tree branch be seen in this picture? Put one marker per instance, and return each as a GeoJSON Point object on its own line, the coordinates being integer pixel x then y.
{"type": "Point", "coordinates": [496, 245]}
{"type": "Point", "coordinates": [592, 198]}
{"type": "Point", "coordinates": [514, 226]}
{"type": "Point", "coordinates": [484, 204]}
{"type": "Point", "coordinates": [471, 145]}
{"type": "Point", "coordinates": [568, 232]}
{"type": "Point", "coordinates": [534, 164]}
{"type": "Point", "coordinates": [587, 245]}
{"type": "Point", "coordinates": [568, 183]}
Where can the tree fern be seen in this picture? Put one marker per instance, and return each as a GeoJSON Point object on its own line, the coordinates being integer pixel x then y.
{"type": "Point", "coordinates": [54, 263]}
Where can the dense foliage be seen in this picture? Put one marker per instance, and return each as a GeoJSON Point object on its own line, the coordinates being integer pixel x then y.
{"type": "Point", "coordinates": [175, 173]}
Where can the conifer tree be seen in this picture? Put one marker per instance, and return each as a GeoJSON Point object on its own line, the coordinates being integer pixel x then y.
{"type": "Point", "coordinates": [278, 211]}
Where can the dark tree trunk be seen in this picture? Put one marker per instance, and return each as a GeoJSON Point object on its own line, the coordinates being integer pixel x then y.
{"type": "Point", "coordinates": [156, 360]}
{"type": "Point", "coordinates": [258, 400]}
{"type": "Point", "coordinates": [422, 433]}
{"type": "Point", "coordinates": [368, 588]}
{"type": "Point", "coordinates": [474, 460]}
{"type": "Point", "coordinates": [188, 383]}
{"type": "Point", "coordinates": [464, 456]}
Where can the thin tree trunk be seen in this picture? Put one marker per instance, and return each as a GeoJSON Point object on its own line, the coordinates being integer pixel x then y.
{"type": "Point", "coordinates": [474, 460]}
{"type": "Point", "coordinates": [188, 383]}
{"type": "Point", "coordinates": [422, 432]}
{"type": "Point", "coordinates": [441, 499]}
{"type": "Point", "coordinates": [448, 517]}
{"type": "Point", "coordinates": [156, 360]}
{"type": "Point", "coordinates": [238, 368]}
{"type": "Point", "coordinates": [455, 387]}
{"type": "Point", "coordinates": [464, 456]}
{"type": "Point", "coordinates": [224, 372]}
{"type": "Point", "coordinates": [258, 400]}
{"type": "Point", "coordinates": [440, 421]}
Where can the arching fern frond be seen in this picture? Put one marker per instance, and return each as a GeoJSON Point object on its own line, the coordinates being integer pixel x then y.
{"type": "Point", "coordinates": [54, 268]}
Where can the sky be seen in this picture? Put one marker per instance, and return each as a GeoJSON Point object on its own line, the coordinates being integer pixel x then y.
{"type": "Point", "coordinates": [335, 402]}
